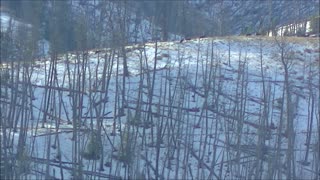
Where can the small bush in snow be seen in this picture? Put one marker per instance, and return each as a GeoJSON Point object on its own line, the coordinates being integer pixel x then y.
{"type": "Point", "coordinates": [23, 163]}
{"type": "Point", "coordinates": [126, 149]}
{"type": "Point", "coordinates": [93, 148]}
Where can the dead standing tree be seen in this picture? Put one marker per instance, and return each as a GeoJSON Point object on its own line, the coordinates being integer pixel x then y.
{"type": "Point", "coordinates": [286, 58]}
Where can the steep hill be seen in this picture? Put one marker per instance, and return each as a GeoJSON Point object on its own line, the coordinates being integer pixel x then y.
{"type": "Point", "coordinates": [250, 16]}
{"type": "Point", "coordinates": [211, 108]}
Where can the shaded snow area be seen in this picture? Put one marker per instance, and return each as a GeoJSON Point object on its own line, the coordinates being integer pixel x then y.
{"type": "Point", "coordinates": [212, 108]}
{"type": "Point", "coordinates": [9, 24]}
{"type": "Point", "coordinates": [6, 21]}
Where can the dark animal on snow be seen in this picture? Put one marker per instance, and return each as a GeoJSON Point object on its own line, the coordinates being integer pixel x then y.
{"type": "Point", "coordinates": [97, 51]}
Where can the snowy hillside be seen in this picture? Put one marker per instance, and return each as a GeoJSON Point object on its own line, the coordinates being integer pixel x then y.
{"type": "Point", "coordinates": [212, 108]}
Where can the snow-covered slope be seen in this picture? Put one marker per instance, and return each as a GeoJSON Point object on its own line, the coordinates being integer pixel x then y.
{"type": "Point", "coordinates": [207, 108]}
